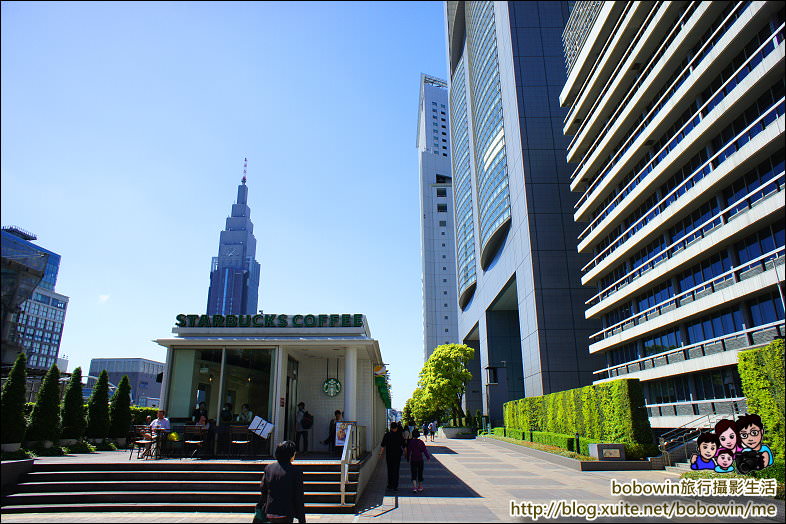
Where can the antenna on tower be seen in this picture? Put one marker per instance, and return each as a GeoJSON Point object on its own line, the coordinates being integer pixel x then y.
{"type": "Point", "coordinates": [245, 164]}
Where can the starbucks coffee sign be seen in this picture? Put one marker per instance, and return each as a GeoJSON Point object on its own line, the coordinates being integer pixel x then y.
{"type": "Point", "coordinates": [270, 321]}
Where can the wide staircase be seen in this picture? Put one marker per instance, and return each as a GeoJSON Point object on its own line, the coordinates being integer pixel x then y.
{"type": "Point", "coordinates": [205, 486]}
{"type": "Point", "coordinates": [679, 444]}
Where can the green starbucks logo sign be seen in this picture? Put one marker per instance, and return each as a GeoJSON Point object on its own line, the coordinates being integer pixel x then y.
{"type": "Point", "coordinates": [331, 387]}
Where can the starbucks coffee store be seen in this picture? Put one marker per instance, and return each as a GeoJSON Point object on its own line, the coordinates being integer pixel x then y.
{"type": "Point", "coordinates": [274, 362]}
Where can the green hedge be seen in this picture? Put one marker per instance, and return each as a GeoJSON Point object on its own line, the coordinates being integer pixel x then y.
{"type": "Point", "coordinates": [608, 412]}
{"type": "Point", "coordinates": [762, 375]}
{"type": "Point", "coordinates": [554, 439]}
{"type": "Point", "coordinates": [500, 432]}
{"type": "Point", "coordinates": [138, 414]}
{"type": "Point", "coordinates": [516, 433]}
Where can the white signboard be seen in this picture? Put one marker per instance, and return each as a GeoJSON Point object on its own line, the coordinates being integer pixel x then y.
{"type": "Point", "coordinates": [261, 427]}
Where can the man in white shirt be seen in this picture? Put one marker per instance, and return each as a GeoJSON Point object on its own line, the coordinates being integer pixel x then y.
{"type": "Point", "coordinates": [160, 423]}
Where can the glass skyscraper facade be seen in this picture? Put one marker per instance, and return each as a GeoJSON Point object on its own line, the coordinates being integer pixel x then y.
{"type": "Point", "coordinates": [438, 252]}
{"type": "Point", "coordinates": [39, 321]}
{"type": "Point", "coordinates": [676, 119]}
{"type": "Point", "coordinates": [234, 274]}
{"type": "Point", "coordinates": [519, 293]}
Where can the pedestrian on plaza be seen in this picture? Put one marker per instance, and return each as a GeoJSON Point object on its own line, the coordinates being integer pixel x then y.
{"type": "Point", "coordinates": [416, 449]}
{"type": "Point", "coordinates": [392, 448]}
{"type": "Point", "coordinates": [424, 429]}
{"type": "Point", "coordinates": [282, 498]}
{"type": "Point", "coordinates": [432, 429]}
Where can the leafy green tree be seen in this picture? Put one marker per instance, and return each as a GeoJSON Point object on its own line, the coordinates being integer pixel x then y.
{"type": "Point", "coordinates": [443, 380]}
{"type": "Point", "coordinates": [120, 409]}
{"type": "Point", "coordinates": [73, 408]}
{"type": "Point", "coordinates": [98, 408]}
{"type": "Point", "coordinates": [14, 421]}
{"type": "Point", "coordinates": [45, 420]}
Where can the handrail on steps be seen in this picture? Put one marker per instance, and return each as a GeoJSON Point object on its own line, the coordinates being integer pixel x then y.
{"type": "Point", "coordinates": [345, 457]}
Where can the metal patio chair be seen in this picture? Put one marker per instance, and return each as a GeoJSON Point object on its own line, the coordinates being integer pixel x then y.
{"type": "Point", "coordinates": [239, 439]}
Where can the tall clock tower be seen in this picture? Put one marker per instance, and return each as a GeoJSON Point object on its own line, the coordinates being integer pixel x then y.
{"type": "Point", "coordinates": [234, 274]}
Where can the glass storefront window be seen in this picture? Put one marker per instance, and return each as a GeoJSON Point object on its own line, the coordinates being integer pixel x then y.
{"type": "Point", "coordinates": [195, 376]}
{"type": "Point", "coordinates": [248, 379]}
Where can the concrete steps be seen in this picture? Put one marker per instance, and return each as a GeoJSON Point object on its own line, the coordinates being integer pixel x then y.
{"type": "Point", "coordinates": [169, 486]}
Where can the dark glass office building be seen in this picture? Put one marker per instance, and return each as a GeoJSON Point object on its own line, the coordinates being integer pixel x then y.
{"type": "Point", "coordinates": [234, 275]}
{"type": "Point", "coordinates": [518, 270]}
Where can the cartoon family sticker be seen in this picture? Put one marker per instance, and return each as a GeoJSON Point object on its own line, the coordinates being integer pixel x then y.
{"type": "Point", "coordinates": [731, 443]}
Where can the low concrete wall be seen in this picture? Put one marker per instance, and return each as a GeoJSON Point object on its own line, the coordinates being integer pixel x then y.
{"type": "Point", "coordinates": [455, 433]}
{"type": "Point", "coordinates": [13, 470]}
{"type": "Point", "coordinates": [367, 471]}
{"type": "Point", "coordinates": [580, 465]}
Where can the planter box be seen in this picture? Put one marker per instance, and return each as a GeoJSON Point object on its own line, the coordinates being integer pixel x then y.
{"type": "Point", "coordinates": [453, 432]}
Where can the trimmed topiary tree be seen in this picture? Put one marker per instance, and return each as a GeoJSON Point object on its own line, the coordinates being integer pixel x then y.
{"type": "Point", "coordinates": [73, 408]}
{"type": "Point", "coordinates": [120, 409]}
{"type": "Point", "coordinates": [45, 419]}
{"type": "Point", "coordinates": [98, 408]}
{"type": "Point", "coordinates": [14, 421]}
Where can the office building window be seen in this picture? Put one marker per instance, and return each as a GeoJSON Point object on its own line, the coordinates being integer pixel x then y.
{"type": "Point", "coordinates": [443, 223]}
{"type": "Point", "coordinates": [442, 192]}
{"type": "Point", "coordinates": [442, 208]}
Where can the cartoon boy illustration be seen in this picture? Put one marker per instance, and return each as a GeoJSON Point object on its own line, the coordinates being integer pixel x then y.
{"type": "Point", "coordinates": [708, 444]}
{"type": "Point", "coordinates": [727, 433]}
{"type": "Point", "coordinates": [725, 460]}
{"type": "Point", "coordinates": [751, 434]}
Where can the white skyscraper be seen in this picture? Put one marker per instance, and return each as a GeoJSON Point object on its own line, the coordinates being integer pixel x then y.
{"type": "Point", "coordinates": [436, 206]}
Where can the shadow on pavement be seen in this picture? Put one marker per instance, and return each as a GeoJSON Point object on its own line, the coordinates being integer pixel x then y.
{"type": "Point", "coordinates": [438, 481]}
{"type": "Point", "coordinates": [441, 450]}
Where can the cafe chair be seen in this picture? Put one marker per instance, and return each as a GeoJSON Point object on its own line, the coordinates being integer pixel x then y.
{"type": "Point", "coordinates": [139, 441]}
{"type": "Point", "coordinates": [193, 436]}
{"type": "Point", "coordinates": [239, 439]}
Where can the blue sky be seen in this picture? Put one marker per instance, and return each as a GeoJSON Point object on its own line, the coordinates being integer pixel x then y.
{"type": "Point", "coordinates": [124, 128]}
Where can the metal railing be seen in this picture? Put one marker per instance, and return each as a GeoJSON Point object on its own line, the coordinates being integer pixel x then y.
{"type": "Point", "coordinates": [776, 255]}
{"type": "Point", "coordinates": [345, 458]}
{"type": "Point", "coordinates": [674, 443]}
{"type": "Point", "coordinates": [686, 352]}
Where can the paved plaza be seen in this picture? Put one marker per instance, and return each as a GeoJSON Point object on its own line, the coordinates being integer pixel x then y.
{"type": "Point", "coordinates": [468, 481]}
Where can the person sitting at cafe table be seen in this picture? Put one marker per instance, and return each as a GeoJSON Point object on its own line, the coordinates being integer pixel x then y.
{"type": "Point", "coordinates": [226, 414]}
{"type": "Point", "coordinates": [246, 415]}
{"type": "Point", "coordinates": [200, 411]}
{"type": "Point", "coordinates": [160, 423]}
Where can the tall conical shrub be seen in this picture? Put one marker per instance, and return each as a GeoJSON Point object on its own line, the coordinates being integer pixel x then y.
{"type": "Point", "coordinates": [45, 418]}
{"type": "Point", "coordinates": [120, 409]}
{"type": "Point", "coordinates": [14, 422]}
{"type": "Point", "coordinates": [73, 409]}
{"type": "Point", "coordinates": [98, 408]}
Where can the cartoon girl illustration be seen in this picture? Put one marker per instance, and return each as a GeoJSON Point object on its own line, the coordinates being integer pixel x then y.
{"type": "Point", "coordinates": [728, 436]}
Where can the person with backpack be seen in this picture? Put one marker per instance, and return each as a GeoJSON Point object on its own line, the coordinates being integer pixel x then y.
{"type": "Point", "coordinates": [303, 423]}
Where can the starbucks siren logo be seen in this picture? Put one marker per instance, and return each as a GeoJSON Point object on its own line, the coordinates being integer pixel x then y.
{"type": "Point", "coordinates": [331, 387]}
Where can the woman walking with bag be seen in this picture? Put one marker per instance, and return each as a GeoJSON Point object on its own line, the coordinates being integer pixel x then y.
{"type": "Point", "coordinates": [416, 448]}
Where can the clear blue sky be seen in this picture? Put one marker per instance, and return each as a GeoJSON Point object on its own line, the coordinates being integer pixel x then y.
{"type": "Point", "coordinates": [124, 127]}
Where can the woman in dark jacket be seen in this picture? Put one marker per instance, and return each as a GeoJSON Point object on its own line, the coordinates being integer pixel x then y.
{"type": "Point", "coordinates": [282, 487]}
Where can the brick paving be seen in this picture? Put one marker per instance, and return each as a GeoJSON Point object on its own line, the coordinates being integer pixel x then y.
{"type": "Point", "coordinates": [468, 481]}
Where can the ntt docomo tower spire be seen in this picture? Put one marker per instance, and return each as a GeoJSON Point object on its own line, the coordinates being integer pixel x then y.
{"type": "Point", "coordinates": [234, 274]}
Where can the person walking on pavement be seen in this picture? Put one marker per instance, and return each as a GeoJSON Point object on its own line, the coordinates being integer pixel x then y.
{"type": "Point", "coordinates": [416, 449]}
{"type": "Point", "coordinates": [282, 497]}
{"type": "Point", "coordinates": [432, 428]}
{"type": "Point", "coordinates": [392, 448]}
